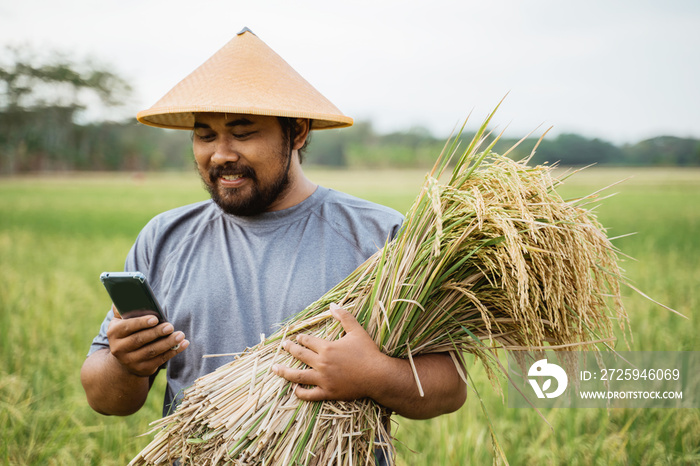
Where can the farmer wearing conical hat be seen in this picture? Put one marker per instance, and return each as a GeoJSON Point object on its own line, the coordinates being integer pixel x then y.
{"type": "Point", "coordinates": [268, 243]}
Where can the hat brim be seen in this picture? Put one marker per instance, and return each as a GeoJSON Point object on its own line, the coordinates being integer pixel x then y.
{"type": "Point", "coordinates": [183, 117]}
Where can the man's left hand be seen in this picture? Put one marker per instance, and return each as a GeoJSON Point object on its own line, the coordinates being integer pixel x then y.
{"type": "Point", "coordinates": [345, 369]}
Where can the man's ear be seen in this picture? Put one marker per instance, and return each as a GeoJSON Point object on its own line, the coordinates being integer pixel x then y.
{"type": "Point", "coordinates": [303, 126]}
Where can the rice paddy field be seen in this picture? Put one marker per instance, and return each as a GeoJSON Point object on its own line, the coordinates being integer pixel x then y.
{"type": "Point", "coordinates": [59, 232]}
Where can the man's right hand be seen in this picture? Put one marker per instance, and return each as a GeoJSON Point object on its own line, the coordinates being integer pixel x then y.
{"type": "Point", "coordinates": [141, 345]}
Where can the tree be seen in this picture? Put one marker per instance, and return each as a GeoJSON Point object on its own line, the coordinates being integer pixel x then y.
{"type": "Point", "coordinates": [664, 150]}
{"type": "Point", "coordinates": [39, 101]}
{"type": "Point", "coordinates": [572, 149]}
{"type": "Point", "coordinates": [29, 84]}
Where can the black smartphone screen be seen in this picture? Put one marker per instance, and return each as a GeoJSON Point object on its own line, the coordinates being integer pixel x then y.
{"type": "Point", "coordinates": [131, 294]}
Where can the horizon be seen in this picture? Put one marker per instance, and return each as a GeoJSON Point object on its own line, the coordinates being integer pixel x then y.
{"type": "Point", "coordinates": [621, 72]}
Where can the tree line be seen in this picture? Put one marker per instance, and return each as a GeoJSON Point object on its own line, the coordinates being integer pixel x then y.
{"type": "Point", "coordinates": [41, 103]}
{"type": "Point", "coordinates": [361, 146]}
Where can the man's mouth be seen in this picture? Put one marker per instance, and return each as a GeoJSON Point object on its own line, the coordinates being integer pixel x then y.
{"type": "Point", "coordinates": [230, 176]}
{"type": "Point", "coordinates": [232, 181]}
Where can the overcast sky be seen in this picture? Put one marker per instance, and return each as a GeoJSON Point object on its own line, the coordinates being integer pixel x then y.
{"type": "Point", "coordinates": [621, 70]}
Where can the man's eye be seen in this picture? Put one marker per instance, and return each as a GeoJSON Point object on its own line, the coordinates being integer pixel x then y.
{"type": "Point", "coordinates": [243, 135]}
{"type": "Point", "coordinates": [204, 136]}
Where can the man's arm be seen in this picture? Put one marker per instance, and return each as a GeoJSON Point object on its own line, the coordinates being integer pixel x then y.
{"type": "Point", "coordinates": [110, 389]}
{"type": "Point", "coordinates": [353, 367]}
{"type": "Point", "coordinates": [117, 379]}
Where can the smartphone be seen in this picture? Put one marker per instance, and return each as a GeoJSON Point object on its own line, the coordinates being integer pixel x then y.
{"type": "Point", "coordinates": [132, 295]}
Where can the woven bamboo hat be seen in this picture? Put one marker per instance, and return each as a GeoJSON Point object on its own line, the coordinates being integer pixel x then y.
{"type": "Point", "coordinates": [246, 77]}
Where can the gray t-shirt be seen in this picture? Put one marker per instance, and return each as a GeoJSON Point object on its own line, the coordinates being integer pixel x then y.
{"type": "Point", "coordinates": [224, 280]}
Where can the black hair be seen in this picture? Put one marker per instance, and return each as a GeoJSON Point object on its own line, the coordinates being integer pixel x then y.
{"type": "Point", "coordinates": [291, 128]}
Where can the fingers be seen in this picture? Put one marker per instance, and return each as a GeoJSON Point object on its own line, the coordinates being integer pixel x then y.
{"type": "Point", "coordinates": [122, 328]}
{"type": "Point", "coordinates": [347, 320]}
{"type": "Point", "coordinates": [300, 376]}
{"type": "Point", "coordinates": [159, 348]}
{"type": "Point", "coordinates": [142, 345]}
{"type": "Point", "coordinates": [146, 360]}
{"type": "Point", "coordinates": [314, 345]}
{"type": "Point", "coordinates": [308, 377]}
{"type": "Point", "coordinates": [317, 345]}
{"type": "Point", "coordinates": [142, 364]}
{"type": "Point", "coordinates": [131, 334]}
{"type": "Point", "coordinates": [310, 394]}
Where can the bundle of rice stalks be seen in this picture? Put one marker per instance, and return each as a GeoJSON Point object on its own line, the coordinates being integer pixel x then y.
{"type": "Point", "coordinates": [491, 258]}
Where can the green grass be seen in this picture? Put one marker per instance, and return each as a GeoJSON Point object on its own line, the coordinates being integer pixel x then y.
{"type": "Point", "coordinates": [58, 233]}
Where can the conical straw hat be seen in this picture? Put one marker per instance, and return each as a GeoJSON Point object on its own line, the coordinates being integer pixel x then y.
{"type": "Point", "coordinates": [246, 77]}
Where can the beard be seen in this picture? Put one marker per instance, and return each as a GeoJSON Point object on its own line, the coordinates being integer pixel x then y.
{"type": "Point", "coordinates": [256, 197]}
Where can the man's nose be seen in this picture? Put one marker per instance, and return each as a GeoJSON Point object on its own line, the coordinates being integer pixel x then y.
{"type": "Point", "coordinates": [225, 152]}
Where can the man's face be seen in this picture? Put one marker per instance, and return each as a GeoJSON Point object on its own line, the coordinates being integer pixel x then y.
{"type": "Point", "coordinates": [244, 161]}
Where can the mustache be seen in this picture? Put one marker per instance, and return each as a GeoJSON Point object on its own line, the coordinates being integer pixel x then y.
{"type": "Point", "coordinates": [231, 168]}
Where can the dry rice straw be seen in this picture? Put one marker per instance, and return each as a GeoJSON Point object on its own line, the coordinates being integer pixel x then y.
{"type": "Point", "coordinates": [491, 258]}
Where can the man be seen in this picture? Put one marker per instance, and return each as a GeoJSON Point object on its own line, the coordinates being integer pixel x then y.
{"type": "Point", "coordinates": [268, 243]}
